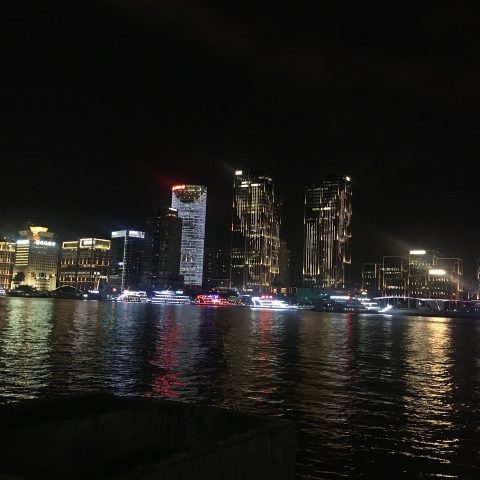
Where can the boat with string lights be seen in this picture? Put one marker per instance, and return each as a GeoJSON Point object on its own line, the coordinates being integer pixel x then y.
{"type": "Point", "coordinates": [171, 297]}
{"type": "Point", "coordinates": [133, 296]}
{"type": "Point", "coordinates": [213, 299]}
{"type": "Point", "coordinates": [269, 302]}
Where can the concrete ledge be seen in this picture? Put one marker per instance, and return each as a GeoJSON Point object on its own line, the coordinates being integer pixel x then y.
{"type": "Point", "coordinates": [104, 436]}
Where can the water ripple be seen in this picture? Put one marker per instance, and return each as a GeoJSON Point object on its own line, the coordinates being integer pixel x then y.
{"type": "Point", "coordinates": [373, 396]}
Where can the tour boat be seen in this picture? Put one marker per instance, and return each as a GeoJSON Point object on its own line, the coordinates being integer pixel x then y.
{"type": "Point", "coordinates": [171, 297]}
{"type": "Point", "coordinates": [271, 303]}
{"type": "Point", "coordinates": [132, 296]}
{"type": "Point", "coordinates": [213, 300]}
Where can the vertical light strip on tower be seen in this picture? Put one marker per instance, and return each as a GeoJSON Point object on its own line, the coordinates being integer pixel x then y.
{"type": "Point", "coordinates": [327, 216]}
{"type": "Point", "coordinates": [255, 232]}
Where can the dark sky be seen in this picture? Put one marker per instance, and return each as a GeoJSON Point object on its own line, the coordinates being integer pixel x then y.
{"type": "Point", "coordinates": [106, 104]}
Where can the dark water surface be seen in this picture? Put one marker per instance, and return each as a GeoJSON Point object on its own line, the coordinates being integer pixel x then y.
{"type": "Point", "coordinates": [374, 396]}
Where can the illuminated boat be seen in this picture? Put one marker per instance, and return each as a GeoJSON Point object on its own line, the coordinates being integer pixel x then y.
{"type": "Point", "coordinates": [271, 303]}
{"type": "Point", "coordinates": [212, 299]}
{"type": "Point", "coordinates": [171, 297]}
{"type": "Point", "coordinates": [369, 305]}
{"type": "Point", "coordinates": [132, 296]}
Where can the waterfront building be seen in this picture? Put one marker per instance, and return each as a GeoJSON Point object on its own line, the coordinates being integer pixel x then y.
{"type": "Point", "coordinates": [446, 279]}
{"type": "Point", "coordinates": [84, 263]}
{"type": "Point", "coordinates": [372, 281]}
{"type": "Point", "coordinates": [395, 276]}
{"type": "Point", "coordinates": [191, 204]}
{"type": "Point", "coordinates": [327, 232]}
{"type": "Point", "coordinates": [216, 268]}
{"type": "Point", "coordinates": [420, 262]}
{"type": "Point", "coordinates": [125, 260]}
{"type": "Point", "coordinates": [161, 257]}
{"type": "Point", "coordinates": [36, 259]}
{"type": "Point", "coordinates": [255, 232]}
{"type": "Point", "coordinates": [7, 261]}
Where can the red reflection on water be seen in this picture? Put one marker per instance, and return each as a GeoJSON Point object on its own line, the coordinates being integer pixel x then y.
{"type": "Point", "coordinates": [166, 382]}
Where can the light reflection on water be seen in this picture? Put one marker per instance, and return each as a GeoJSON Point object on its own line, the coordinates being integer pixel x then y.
{"type": "Point", "coordinates": [374, 396]}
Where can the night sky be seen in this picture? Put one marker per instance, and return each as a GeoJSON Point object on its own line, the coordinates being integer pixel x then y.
{"type": "Point", "coordinates": [107, 104]}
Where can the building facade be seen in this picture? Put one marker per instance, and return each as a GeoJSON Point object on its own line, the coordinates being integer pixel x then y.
{"type": "Point", "coordinates": [126, 255]}
{"type": "Point", "coordinates": [372, 279]}
{"type": "Point", "coordinates": [36, 260]}
{"type": "Point", "coordinates": [163, 242]}
{"type": "Point", "coordinates": [7, 261]}
{"type": "Point", "coordinates": [446, 279]}
{"type": "Point", "coordinates": [327, 233]}
{"type": "Point", "coordinates": [84, 264]}
{"type": "Point", "coordinates": [255, 246]}
{"type": "Point", "coordinates": [216, 269]}
{"type": "Point", "coordinates": [420, 262]}
{"type": "Point", "coordinates": [191, 203]}
{"type": "Point", "coordinates": [395, 276]}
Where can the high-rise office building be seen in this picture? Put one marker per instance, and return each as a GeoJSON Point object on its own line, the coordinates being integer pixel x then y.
{"type": "Point", "coordinates": [255, 232]}
{"type": "Point", "coordinates": [216, 268]}
{"type": "Point", "coordinates": [191, 204]}
{"type": "Point", "coordinates": [327, 233]}
{"type": "Point", "coordinates": [446, 279]}
{"type": "Point", "coordinates": [395, 276]}
{"type": "Point", "coordinates": [36, 260]}
{"type": "Point", "coordinates": [420, 262]}
{"type": "Point", "coordinates": [84, 264]}
{"type": "Point", "coordinates": [126, 260]}
{"type": "Point", "coordinates": [7, 261]}
{"type": "Point", "coordinates": [163, 242]}
{"type": "Point", "coordinates": [372, 279]}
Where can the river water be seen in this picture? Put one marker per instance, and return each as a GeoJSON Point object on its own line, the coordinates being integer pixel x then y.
{"type": "Point", "coordinates": [374, 396]}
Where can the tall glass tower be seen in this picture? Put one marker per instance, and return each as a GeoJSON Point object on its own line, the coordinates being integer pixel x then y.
{"type": "Point", "coordinates": [327, 235]}
{"type": "Point", "coordinates": [255, 232]}
{"type": "Point", "coordinates": [126, 259]}
{"type": "Point", "coordinates": [191, 204]}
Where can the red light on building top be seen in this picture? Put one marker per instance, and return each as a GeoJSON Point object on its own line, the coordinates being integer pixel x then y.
{"type": "Point", "coordinates": [178, 187]}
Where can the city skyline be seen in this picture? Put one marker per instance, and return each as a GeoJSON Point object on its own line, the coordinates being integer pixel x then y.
{"type": "Point", "coordinates": [113, 103]}
{"type": "Point", "coordinates": [356, 279]}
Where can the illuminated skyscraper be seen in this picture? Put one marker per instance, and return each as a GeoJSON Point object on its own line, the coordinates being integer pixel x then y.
{"type": "Point", "coordinates": [84, 263]}
{"type": "Point", "coordinates": [327, 235]}
{"type": "Point", "coordinates": [191, 204]}
{"type": "Point", "coordinates": [161, 257]}
{"type": "Point", "coordinates": [255, 232]}
{"type": "Point", "coordinates": [36, 261]}
{"type": "Point", "coordinates": [126, 260]}
{"type": "Point", "coordinates": [7, 260]}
